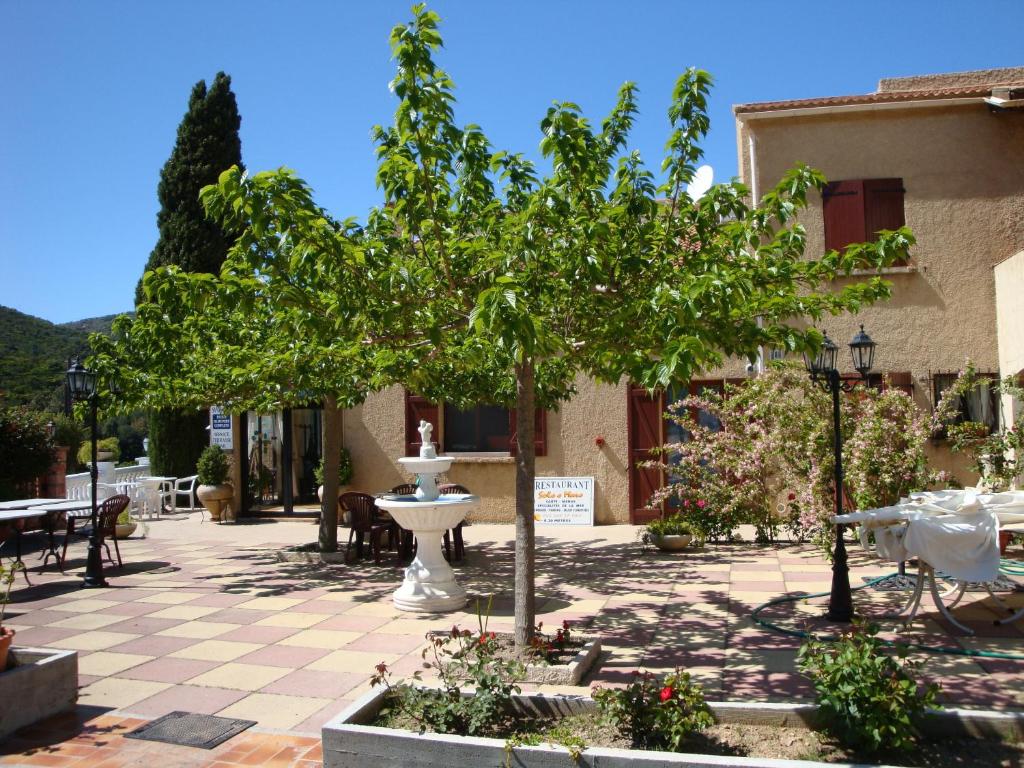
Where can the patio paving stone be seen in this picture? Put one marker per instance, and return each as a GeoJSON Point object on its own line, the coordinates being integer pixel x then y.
{"type": "Point", "coordinates": [169, 670]}
{"type": "Point", "coordinates": [289, 645]}
{"type": "Point", "coordinates": [187, 698]}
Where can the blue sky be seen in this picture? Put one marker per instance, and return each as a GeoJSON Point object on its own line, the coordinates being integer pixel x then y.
{"type": "Point", "coordinates": [92, 93]}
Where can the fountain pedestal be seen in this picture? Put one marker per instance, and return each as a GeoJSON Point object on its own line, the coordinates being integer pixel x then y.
{"type": "Point", "coordinates": [429, 585]}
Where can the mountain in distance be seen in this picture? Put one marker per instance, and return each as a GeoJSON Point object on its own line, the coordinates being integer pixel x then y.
{"type": "Point", "coordinates": [34, 356]}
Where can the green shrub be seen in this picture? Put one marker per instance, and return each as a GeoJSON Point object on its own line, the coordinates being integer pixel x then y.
{"type": "Point", "coordinates": [110, 444]}
{"type": "Point", "coordinates": [656, 714]}
{"type": "Point", "coordinates": [344, 469]}
{"type": "Point", "coordinates": [213, 466]}
{"type": "Point", "coordinates": [458, 657]}
{"type": "Point", "coordinates": [25, 449]}
{"type": "Point", "coordinates": [673, 525]}
{"type": "Point", "coordinates": [867, 699]}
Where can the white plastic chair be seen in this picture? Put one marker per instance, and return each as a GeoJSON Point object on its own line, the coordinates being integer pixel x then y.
{"type": "Point", "coordinates": [185, 486]}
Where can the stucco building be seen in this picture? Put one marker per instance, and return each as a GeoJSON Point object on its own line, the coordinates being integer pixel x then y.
{"type": "Point", "coordinates": [943, 154]}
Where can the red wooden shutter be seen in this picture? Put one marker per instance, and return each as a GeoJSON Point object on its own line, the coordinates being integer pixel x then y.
{"type": "Point", "coordinates": [843, 209]}
{"type": "Point", "coordinates": [644, 425]}
{"type": "Point", "coordinates": [899, 380]}
{"type": "Point", "coordinates": [540, 432]}
{"type": "Point", "coordinates": [417, 408]}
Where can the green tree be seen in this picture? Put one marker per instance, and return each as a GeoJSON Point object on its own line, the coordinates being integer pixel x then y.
{"type": "Point", "coordinates": [206, 144]}
{"type": "Point", "coordinates": [479, 279]}
{"type": "Point", "coordinates": [594, 266]}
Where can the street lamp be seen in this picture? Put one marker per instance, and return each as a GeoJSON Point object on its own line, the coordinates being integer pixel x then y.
{"type": "Point", "coordinates": [82, 386]}
{"type": "Point", "coordinates": [823, 371]}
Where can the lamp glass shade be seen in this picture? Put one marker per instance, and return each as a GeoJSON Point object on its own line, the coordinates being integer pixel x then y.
{"type": "Point", "coordinates": [825, 360]}
{"type": "Point", "coordinates": [862, 349]}
{"type": "Point", "coordinates": [81, 381]}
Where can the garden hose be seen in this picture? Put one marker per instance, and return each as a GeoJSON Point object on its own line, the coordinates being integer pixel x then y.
{"type": "Point", "coordinates": [949, 651]}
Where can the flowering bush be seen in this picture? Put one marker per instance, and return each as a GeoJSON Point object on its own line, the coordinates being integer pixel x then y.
{"type": "Point", "coordinates": [656, 714]}
{"type": "Point", "coordinates": [770, 460]}
{"type": "Point", "coordinates": [994, 455]}
{"type": "Point", "coordinates": [884, 457]}
{"type": "Point", "coordinates": [458, 657]}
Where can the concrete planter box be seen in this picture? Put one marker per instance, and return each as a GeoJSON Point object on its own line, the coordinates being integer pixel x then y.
{"type": "Point", "coordinates": [349, 743]}
{"type": "Point", "coordinates": [300, 555]}
{"type": "Point", "coordinates": [40, 682]}
{"type": "Point", "coordinates": [563, 674]}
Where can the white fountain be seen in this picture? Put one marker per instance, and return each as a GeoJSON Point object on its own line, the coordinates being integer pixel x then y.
{"type": "Point", "coordinates": [429, 585]}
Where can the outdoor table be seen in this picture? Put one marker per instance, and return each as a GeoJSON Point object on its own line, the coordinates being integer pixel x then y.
{"type": "Point", "coordinates": [152, 489]}
{"type": "Point", "coordinates": [954, 532]}
{"type": "Point", "coordinates": [17, 518]}
{"type": "Point", "coordinates": [26, 503]}
{"type": "Point", "coordinates": [72, 509]}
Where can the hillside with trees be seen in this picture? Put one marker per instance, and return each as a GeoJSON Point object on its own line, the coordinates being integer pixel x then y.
{"type": "Point", "coordinates": [34, 356]}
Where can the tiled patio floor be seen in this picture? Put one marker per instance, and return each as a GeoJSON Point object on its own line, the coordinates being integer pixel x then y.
{"type": "Point", "coordinates": [203, 618]}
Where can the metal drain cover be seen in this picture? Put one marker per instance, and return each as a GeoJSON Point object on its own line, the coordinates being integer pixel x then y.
{"type": "Point", "coordinates": [188, 729]}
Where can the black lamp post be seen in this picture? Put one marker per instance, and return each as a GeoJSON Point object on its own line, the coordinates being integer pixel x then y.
{"type": "Point", "coordinates": [82, 386]}
{"type": "Point", "coordinates": [823, 371]}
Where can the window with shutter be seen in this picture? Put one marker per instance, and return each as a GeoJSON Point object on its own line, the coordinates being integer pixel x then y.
{"type": "Point", "coordinates": [855, 210]}
{"type": "Point", "coordinates": [484, 429]}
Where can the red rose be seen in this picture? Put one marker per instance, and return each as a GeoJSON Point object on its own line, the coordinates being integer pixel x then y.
{"type": "Point", "coordinates": [666, 693]}
{"type": "Point", "coordinates": [792, 496]}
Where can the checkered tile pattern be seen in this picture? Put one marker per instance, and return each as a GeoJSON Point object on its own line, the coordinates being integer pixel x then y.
{"type": "Point", "coordinates": [205, 619]}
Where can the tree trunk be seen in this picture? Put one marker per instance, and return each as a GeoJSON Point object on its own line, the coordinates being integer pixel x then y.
{"type": "Point", "coordinates": [525, 469]}
{"type": "Point", "coordinates": [332, 458]}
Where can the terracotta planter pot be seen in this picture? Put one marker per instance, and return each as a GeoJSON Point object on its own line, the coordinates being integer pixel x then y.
{"type": "Point", "coordinates": [1004, 541]}
{"type": "Point", "coordinates": [6, 638]}
{"type": "Point", "coordinates": [217, 500]}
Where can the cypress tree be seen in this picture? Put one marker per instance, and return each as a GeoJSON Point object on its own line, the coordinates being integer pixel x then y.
{"type": "Point", "coordinates": [207, 144]}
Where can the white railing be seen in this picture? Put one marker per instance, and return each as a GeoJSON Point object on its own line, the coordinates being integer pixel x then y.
{"type": "Point", "coordinates": [129, 474]}
{"type": "Point", "coordinates": [78, 486]}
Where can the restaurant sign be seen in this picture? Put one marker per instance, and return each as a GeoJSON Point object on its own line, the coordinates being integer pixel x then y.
{"type": "Point", "coordinates": [220, 428]}
{"type": "Point", "coordinates": [563, 500]}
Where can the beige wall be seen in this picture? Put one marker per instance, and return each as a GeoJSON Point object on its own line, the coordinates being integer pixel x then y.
{"type": "Point", "coordinates": [375, 436]}
{"type": "Point", "coordinates": [1009, 279]}
{"type": "Point", "coordinates": [962, 170]}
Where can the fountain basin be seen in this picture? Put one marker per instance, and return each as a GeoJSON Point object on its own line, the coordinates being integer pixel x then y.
{"type": "Point", "coordinates": [429, 585]}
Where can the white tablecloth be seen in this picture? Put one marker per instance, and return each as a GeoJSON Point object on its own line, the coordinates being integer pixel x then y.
{"type": "Point", "coordinates": [956, 532]}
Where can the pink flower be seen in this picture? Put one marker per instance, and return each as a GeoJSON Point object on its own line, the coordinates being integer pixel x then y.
{"type": "Point", "coordinates": [700, 503]}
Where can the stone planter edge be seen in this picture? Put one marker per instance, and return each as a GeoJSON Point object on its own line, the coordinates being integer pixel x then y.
{"type": "Point", "coordinates": [348, 743]}
{"type": "Point", "coordinates": [42, 682]}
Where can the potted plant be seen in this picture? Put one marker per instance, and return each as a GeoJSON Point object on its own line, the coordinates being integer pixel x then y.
{"type": "Point", "coordinates": [6, 634]}
{"type": "Point", "coordinates": [344, 474]}
{"type": "Point", "coordinates": [670, 533]}
{"type": "Point", "coordinates": [214, 491]}
{"type": "Point", "coordinates": [107, 449]}
{"type": "Point", "coordinates": [125, 526]}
